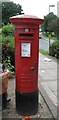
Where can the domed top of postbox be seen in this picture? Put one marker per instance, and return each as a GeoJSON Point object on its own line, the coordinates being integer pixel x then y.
{"type": "Point", "coordinates": [26, 19]}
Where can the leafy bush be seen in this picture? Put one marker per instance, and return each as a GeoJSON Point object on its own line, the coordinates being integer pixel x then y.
{"type": "Point", "coordinates": [10, 40]}
{"type": "Point", "coordinates": [4, 51]}
{"type": "Point", "coordinates": [8, 52]}
{"type": "Point", "coordinates": [54, 49]}
{"type": "Point", "coordinates": [0, 31]}
{"type": "Point", "coordinates": [8, 29]}
{"type": "Point", "coordinates": [8, 65]}
{"type": "Point", "coordinates": [8, 46]}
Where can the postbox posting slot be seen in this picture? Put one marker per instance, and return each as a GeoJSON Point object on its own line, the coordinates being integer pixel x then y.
{"type": "Point", "coordinates": [25, 35]}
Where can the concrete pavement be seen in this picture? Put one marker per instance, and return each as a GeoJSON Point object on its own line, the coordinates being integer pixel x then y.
{"type": "Point", "coordinates": [49, 82]}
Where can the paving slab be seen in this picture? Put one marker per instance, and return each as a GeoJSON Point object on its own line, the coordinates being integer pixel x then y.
{"type": "Point", "coordinates": [10, 111]}
{"type": "Point", "coordinates": [49, 82]}
{"type": "Point", "coordinates": [49, 97]}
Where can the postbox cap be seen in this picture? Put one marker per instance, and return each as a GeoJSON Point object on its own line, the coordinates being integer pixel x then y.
{"type": "Point", "coordinates": [26, 19]}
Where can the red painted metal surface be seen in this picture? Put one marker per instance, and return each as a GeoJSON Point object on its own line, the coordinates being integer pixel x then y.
{"type": "Point", "coordinates": [26, 117]}
{"type": "Point", "coordinates": [26, 52]}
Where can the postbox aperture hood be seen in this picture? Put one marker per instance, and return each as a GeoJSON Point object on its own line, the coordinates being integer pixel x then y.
{"type": "Point", "coordinates": [18, 19]}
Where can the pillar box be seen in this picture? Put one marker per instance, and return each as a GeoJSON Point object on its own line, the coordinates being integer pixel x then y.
{"type": "Point", "coordinates": [26, 62]}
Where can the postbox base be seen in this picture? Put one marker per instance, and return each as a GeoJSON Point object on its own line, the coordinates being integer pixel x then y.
{"type": "Point", "coordinates": [27, 103]}
{"type": "Point", "coordinates": [3, 101]}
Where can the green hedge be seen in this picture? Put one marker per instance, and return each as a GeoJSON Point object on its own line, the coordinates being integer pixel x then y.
{"type": "Point", "coordinates": [54, 49]}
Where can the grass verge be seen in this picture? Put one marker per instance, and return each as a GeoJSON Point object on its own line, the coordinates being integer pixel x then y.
{"type": "Point", "coordinates": [43, 52]}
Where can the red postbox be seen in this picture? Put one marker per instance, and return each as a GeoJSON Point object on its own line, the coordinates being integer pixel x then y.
{"type": "Point", "coordinates": [26, 62]}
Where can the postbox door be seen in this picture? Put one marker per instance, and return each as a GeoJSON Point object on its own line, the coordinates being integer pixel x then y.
{"type": "Point", "coordinates": [26, 52]}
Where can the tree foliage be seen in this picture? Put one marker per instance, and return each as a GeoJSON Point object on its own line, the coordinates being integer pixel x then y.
{"type": "Point", "coordinates": [47, 20]}
{"type": "Point", "coordinates": [10, 9]}
{"type": "Point", "coordinates": [54, 26]}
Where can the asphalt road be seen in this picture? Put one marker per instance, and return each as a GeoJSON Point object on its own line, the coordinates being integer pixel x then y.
{"type": "Point", "coordinates": [44, 43]}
